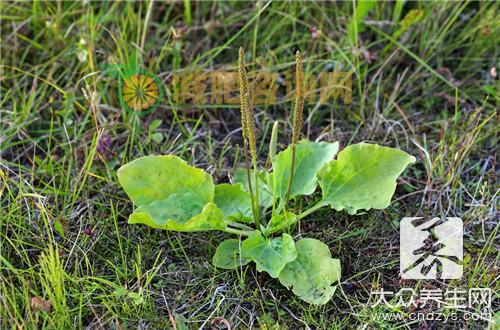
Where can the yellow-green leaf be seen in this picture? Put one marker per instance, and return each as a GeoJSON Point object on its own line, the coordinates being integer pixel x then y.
{"type": "Point", "coordinates": [280, 222]}
{"type": "Point", "coordinates": [310, 157]}
{"type": "Point", "coordinates": [362, 177]}
{"type": "Point", "coordinates": [170, 194]}
{"type": "Point", "coordinates": [312, 273]}
{"type": "Point", "coordinates": [234, 202]}
{"type": "Point", "coordinates": [155, 178]}
{"type": "Point", "coordinates": [270, 255]}
{"type": "Point", "coordinates": [179, 206]}
{"type": "Point", "coordinates": [210, 218]}
{"type": "Point", "coordinates": [228, 255]}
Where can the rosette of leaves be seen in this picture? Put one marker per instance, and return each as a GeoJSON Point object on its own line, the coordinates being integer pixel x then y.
{"type": "Point", "coordinates": [170, 194]}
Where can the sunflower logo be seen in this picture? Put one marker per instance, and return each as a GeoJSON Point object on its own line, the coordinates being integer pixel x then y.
{"type": "Point", "coordinates": [140, 91]}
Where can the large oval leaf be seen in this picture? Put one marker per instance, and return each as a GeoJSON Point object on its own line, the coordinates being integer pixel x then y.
{"type": "Point", "coordinates": [209, 218]}
{"type": "Point", "coordinates": [154, 178]}
{"type": "Point", "coordinates": [180, 207]}
{"type": "Point", "coordinates": [310, 157]}
{"type": "Point", "coordinates": [270, 255]}
{"type": "Point", "coordinates": [228, 255]}
{"type": "Point", "coordinates": [170, 194]}
{"type": "Point", "coordinates": [234, 202]}
{"type": "Point", "coordinates": [362, 177]}
{"type": "Point", "coordinates": [312, 273]}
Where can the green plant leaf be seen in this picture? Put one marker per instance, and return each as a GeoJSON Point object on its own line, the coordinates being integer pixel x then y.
{"type": "Point", "coordinates": [210, 218]}
{"type": "Point", "coordinates": [265, 192]}
{"type": "Point", "coordinates": [312, 273]}
{"type": "Point", "coordinates": [170, 194]}
{"type": "Point", "coordinates": [154, 178]}
{"type": "Point", "coordinates": [136, 297]}
{"type": "Point", "coordinates": [412, 17]}
{"type": "Point", "coordinates": [59, 228]}
{"type": "Point", "coordinates": [120, 292]}
{"type": "Point", "coordinates": [234, 202]}
{"type": "Point", "coordinates": [362, 177]}
{"type": "Point", "coordinates": [363, 7]}
{"type": "Point", "coordinates": [279, 222]}
{"type": "Point", "coordinates": [309, 159]}
{"type": "Point", "coordinates": [180, 206]}
{"type": "Point", "coordinates": [270, 255]}
{"type": "Point", "coordinates": [228, 255]}
{"type": "Point", "coordinates": [157, 137]}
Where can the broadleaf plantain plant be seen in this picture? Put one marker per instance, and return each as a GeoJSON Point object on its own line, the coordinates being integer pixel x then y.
{"type": "Point", "coordinates": [170, 194]}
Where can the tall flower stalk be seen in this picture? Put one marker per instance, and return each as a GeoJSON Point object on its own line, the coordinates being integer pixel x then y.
{"type": "Point", "coordinates": [297, 115]}
{"type": "Point", "coordinates": [248, 132]}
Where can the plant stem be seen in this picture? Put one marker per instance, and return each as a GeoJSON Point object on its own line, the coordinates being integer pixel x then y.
{"type": "Point", "coordinates": [240, 226]}
{"type": "Point", "coordinates": [292, 169]}
{"type": "Point", "coordinates": [237, 231]}
{"type": "Point", "coordinates": [297, 116]}
{"type": "Point", "coordinates": [313, 209]}
{"type": "Point", "coordinates": [249, 178]}
{"type": "Point", "coordinates": [253, 154]}
{"type": "Point", "coordinates": [256, 177]}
